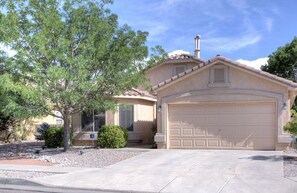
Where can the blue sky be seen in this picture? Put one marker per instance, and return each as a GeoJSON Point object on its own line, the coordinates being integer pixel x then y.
{"type": "Point", "coordinates": [244, 30]}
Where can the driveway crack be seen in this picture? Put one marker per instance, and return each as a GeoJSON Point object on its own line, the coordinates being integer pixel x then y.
{"type": "Point", "coordinates": [223, 186]}
{"type": "Point", "coordinates": [168, 183]}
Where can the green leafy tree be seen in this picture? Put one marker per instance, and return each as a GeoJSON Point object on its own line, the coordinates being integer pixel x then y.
{"type": "Point", "coordinates": [157, 56]}
{"type": "Point", "coordinates": [18, 103]}
{"type": "Point", "coordinates": [283, 62]}
{"type": "Point", "coordinates": [72, 53]}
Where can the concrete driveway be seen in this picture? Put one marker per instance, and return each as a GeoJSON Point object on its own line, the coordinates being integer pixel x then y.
{"type": "Point", "coordinates": [186, 171]}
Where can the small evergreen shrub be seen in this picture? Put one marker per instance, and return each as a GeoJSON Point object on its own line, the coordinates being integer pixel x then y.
{"type": "Point", "coordinates": [112, 136]}
{"type": "Point", "coordinates": [53, 137]}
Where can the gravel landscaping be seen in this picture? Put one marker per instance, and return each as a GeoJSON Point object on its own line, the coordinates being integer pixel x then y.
{"type": "Point", "coordinates": [75, 157]}
{"type": "Point", "coordinates": [290, 163]}
{"type": "Point", "coordinates": [94, 158]}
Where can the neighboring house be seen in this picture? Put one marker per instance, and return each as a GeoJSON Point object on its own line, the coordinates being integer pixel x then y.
{"type": "Point", "coordinates": [214, 104]}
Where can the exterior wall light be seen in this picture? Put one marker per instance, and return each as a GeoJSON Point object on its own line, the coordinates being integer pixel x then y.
{"type": "Point", "coordinates": [159, 108]}
{"type": "Point", "coordinates": [285, 106]}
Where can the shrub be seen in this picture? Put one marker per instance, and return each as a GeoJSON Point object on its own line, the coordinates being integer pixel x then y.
{"type": "Point", "coordinates": [53, 137]}
{"type": "Point", "coordinates": [125, 133]}
{"type": "Point", "coordinates": [40, 131]}
{"type": "Point", "coordinates": [291, 127]}
{"type": "Point", "coordinates": [112, 136]}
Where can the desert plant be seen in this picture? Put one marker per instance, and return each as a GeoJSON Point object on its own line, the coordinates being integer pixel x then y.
{"type": "Point", "coordinates": [112, 136]}
{"type": "Point", "coordinates": [53, 137]}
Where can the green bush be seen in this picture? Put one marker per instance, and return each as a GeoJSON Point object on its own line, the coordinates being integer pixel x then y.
{"type": "Point", "coordinates": [125, 133]}
{"type": "Point", "coordinates": [291, 127]}
{"type": "Point", "coordinates": [53, 137]}
{"type": "Point", "coordinates": [112, 136]}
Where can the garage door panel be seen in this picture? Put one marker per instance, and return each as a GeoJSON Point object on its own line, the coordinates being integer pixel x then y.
{"type": "Point", "coordinates": [200, 143]}
{"type": "Point", "coordinates": [226, 144]}
{"type": "Point", "coordinates": [187, 132]}
{"type": "Point", "coordinates": [200, 132]}
{"type": "Point", "coordinates": [238, 126]}
{"type": "Point", "coordinates": [175, 132]}
{"type": "Point", "coordinates": [187, 143]}
{"type": "Point", "coordinates": [213, 143]}
{"type": "Point", "coordinates": [175, 143]}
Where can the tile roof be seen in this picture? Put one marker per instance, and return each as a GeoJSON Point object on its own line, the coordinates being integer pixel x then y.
{"type": "Point", "coordinates": [223, 59]}
{"type": "Point", "coordinates": [137, 92]}
{"type": "Point", "coordinates": [180, 58]}
{"type": "Point", "coordinates": [183, 57]}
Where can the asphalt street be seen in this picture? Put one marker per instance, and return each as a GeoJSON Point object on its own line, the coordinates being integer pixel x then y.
{"type": "Point", "coordinates": [23, 186]}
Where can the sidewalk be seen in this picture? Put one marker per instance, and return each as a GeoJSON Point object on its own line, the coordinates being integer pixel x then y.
{"type": "Point", "coordinates": [51, 169]}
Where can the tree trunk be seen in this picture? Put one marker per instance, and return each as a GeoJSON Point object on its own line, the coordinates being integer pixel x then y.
{"type": "Point", "coordinates": [66, 132]}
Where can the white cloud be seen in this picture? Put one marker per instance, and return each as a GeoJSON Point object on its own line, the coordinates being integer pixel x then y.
{"type": "Point", "coordinates": [178, 52]}
{"type": "Point", "coordinates": [9, 51]}
{"type": "Point", "coordinates": [254, 63]}
{"type": "Point", "coordinates": [229, 44]}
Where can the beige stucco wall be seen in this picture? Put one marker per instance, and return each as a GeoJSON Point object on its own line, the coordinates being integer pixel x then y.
{"type": "Point", "coordinates": [144, 119]}
{"type": "Point", "coordinates": [165, 71]}
{"type": "Point", "coordinates": [243, 86]}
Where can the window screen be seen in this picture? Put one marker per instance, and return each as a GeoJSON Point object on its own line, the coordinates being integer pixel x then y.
{"type": "Point", "coordinates": [92, 120]}
{"type": "Point", "coordinates": [126, 116]}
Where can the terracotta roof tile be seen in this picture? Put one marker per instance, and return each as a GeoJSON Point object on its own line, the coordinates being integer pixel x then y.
{"type": "Point", "coordinates": [180, 57]}
{"type": "Point", "coordinates": [137, 92]}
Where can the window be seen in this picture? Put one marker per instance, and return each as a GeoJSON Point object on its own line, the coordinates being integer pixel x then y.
{"type": "Point", "coordinates": [219, 76]}
{"type": "Point", "coordinates": [92, 121]}
{"type": "Point", "coordinates": [126, 116]}
{"type": "Point", "coordinates": [59, 121]}
{"type": "Point", "coordinates": [179, 69]}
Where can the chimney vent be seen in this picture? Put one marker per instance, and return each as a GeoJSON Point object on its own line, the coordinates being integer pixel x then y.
{"type": "Point", "coordinates": [197, 46]}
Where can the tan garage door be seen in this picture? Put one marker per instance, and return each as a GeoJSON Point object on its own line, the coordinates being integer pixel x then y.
{"type": "Point", "coordinates": [222, 126]}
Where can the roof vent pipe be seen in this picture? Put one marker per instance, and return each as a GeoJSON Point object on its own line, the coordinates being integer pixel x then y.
{"type": "Point", "coordinates": [197, 46]}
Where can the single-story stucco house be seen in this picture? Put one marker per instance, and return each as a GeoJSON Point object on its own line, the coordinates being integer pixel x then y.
{"type": "Point", "coordinates": [214, 104]}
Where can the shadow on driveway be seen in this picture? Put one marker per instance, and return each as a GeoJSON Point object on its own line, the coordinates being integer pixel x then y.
{"type": "Point", "coordinates": [265, 158]}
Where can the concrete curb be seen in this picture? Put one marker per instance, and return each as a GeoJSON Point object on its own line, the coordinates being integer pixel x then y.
{"type": "Point", "coordinates": [17, 181]}
{"type": "Point", "coordinates": [51, 169]}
